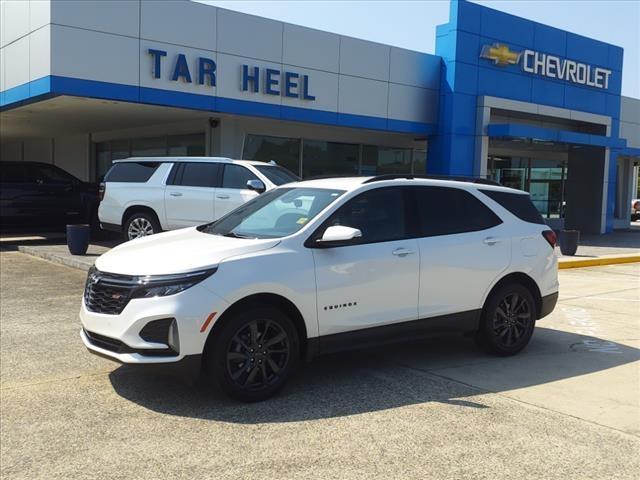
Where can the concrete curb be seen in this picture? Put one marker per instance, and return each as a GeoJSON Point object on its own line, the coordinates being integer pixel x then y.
{"type": "Point", "coordinates": [69, 261]}
{"type": "Point", "coordinates": [597, 261]}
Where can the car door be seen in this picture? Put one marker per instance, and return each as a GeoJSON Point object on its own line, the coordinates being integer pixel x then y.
{"type": "Point", "coordinates": [374, 281]}
{"type": "Point", "coordinates": [16, 195]}
{"type": "Point", "coordinates": [190, 192]}
{"type": "Point", "coordinates": [234, 192]}
{"type": "Point", "coordinates": [56, 199]}
{"type": "Point", "coordinates": [464, 247]}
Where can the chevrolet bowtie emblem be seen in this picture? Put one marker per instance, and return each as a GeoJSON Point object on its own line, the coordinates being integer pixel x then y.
{"type": "Point", "coordinates": [500, 54]}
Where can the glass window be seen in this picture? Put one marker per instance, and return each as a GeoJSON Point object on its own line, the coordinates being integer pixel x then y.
{"type": "Point", "coordinates": [420, 162]}
{"type": "Point", "coordinates": [284, 151]}
{"type": "Point", "coordinates": [276, 174]}
{"type": "Point", "coordinates": [384, 160]}
{"type": "Point", "coordinates": [186, 145]}
{"type": "Point", "coordinates": [379, 214]}
{"type": "Point", "coordinates": [149, 147]}
{"type": "Point", "coordinates": [48, 174]}
{"type": "Point", "coordinates": [131, 172]}
{"type": "Point", "coordinates": [518, 204]}
{"type": "Point", "coordinates": [445, 211]}
{"type": "Point", "coordinates": [236, 176]}
{"type": "Point", "coordinates": [12, 173]}
{"type": "Point", "coordinates": [198, 174]}
{"type": "Point", "coordinates": [274, 214]}
{"type": "Point", "coordinates": [329, 158]}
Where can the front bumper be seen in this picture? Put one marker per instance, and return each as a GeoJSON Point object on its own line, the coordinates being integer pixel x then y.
{"type": "Point", "coordinates": [118, 337]}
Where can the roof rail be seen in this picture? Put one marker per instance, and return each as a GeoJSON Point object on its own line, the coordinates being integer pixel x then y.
{"type": "Point", "coordinates": [479, 180]}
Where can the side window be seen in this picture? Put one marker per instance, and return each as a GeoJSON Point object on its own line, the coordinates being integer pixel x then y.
{"type": "Point", "coordinates": [48, 174]}
{"type": "Point", "coordinates": [445, 211]}
{"type": "Point", "coordinates": [12, 173]}
{"type": "Point", "coordinates": [138, 172]}
{"type": "Point", "coordinates": [519, 204]}
{"type": "Point", "coordinates": [236, 176]}
{"type": "Point", "coordinates": [379, 214]}
{"type": "Point", "coordinates": [197, 174]}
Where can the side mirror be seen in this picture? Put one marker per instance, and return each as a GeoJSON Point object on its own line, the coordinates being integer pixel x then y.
{"type": "Point", "coordinates": [256, 185]}
{"type": "Point", "coordinates": [338, 235]}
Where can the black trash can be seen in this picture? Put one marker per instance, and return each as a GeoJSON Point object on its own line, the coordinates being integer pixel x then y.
{"type": "Point", "coordinates": [78, 238]}
{"type": "Point", "coordinates": [569, 240]}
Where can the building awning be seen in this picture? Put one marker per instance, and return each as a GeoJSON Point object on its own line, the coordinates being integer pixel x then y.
{"type": "Point", "coordinates": [514, 130]}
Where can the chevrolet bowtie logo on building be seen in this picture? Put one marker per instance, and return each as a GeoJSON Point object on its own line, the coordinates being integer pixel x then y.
{"type": "Point", "coordinates": [547, 65]}
{"type": "Point", "coordinates": [500, 54]}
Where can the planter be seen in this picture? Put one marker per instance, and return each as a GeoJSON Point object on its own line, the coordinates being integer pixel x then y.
{"type": "Point", "coordinates": [78, 238]}
{"type": "Point", "coordinates": [569, 240]}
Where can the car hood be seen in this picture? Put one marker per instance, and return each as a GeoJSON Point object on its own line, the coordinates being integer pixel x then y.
{"type": "Point", "coordinates": [178, 251]}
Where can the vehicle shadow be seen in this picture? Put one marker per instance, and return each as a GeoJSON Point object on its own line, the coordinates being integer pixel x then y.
{"type": "Point", "coordinates": [383, 378]}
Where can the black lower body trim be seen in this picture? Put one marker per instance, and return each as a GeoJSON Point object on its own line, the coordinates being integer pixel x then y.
{"type": "Point", "coordinates": [112, 227]}
{"type": "Point", "coordinates": [547, 304]}
{"type": "Point", "coordinates": [456, 323]}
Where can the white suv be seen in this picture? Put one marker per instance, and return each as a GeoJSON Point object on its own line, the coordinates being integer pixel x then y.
{"type": "Point", "coordinates": [143, 196]}
{"type": "Point", "coordinates": [322, 266]}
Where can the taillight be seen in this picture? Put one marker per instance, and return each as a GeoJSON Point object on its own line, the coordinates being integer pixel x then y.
{"type": "Point", "coordinates": [101, 190]}
{"type": "Point", "coordinates": [550, 236]}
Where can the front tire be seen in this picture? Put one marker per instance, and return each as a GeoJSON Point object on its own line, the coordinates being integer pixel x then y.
{"type": "Point", "coordinates": [254, 353]}
{"type": "Point", "coordinates": [508, 320]}
{"type": "Point", "coordinates": [140, 224]}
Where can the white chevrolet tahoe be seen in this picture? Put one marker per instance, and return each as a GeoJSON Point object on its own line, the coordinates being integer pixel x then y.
{"type": "Point", "coordinates": [321, 266]}
{"type": "Point", "coordinates": [143, 196]}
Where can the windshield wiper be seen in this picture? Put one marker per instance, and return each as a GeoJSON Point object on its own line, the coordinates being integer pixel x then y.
{"type": "Point", "coordinates": [236, 235]}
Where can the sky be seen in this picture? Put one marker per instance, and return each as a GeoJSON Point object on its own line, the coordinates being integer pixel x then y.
{"type": "Point", "coordinates": [411, 24]}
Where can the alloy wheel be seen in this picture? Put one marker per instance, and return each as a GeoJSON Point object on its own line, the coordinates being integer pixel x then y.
{"type": "Point", "coordinates": [258, 354]}
{"type": "Point", "coordinates": [512, 319]}
{"type": "Point", "coordinates": [139, 227]}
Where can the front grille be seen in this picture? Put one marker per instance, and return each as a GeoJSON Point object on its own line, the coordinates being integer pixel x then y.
{"type": "Point", "coordinates": [116, 346]}
{"type": "Point", "coordinates": [108, 343]}
{"type": "Point", "coordinates": [107, 293]}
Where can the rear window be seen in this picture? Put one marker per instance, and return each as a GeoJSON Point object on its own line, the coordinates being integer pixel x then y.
{"type": "Point", "coordinates": [131, 172]}
{"type": "Point", "coordinates": [276, 174]}
{"type": "Point", "coordinates": [448, 211]}
{"type": "Point", "coordinates": [12, 173]}
{"type": "Point", "coordinates": [518, 204]}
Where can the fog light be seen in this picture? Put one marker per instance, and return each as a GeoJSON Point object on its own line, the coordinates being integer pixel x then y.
{"type": "Point", "coordinates": [173, 339]}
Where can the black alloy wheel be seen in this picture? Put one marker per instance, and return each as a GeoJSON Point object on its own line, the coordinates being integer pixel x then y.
{"type": "Point", "coordinates": [257, 354]}
{"type": "Point", "coordinates": [508, 320]}
{"type": "Point", "coordinates": [253, 353]}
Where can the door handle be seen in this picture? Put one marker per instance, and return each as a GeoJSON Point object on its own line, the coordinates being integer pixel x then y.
{"type": "Point", "coordinates": [175, 194]}
{"type": "Point", "coordinates": [491, 240]}
{"type": "Point", "coordinates": [222, 197]}
{"type": "Point", "coordinates": [402, 252]}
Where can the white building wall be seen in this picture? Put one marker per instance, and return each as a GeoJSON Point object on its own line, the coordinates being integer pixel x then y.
{"type": "Point", "coordinates": [630, 121]}
{"type": "Point", "coordinates": [109, 41]}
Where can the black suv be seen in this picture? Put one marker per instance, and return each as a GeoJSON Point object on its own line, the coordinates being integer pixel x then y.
{"type": "Point", "coordinates": [42, 196]}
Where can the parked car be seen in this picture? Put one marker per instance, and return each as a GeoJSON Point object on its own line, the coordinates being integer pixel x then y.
{"type": "Point", "coordinates": [635, 210]}
{"type": "Point", "coordinates": [322, 266]}
{"type": "Point", "coordinates": [143, 196]}
{"type": "Point", "coordinates": [42, 196]}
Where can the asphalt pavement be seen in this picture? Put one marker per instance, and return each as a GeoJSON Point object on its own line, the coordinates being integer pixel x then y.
{"type": "Point", "coordinates": [567, 407]}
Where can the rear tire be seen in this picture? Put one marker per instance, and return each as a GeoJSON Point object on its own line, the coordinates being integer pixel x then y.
{"type": "Point", "coordinates": [508, 320]}
{"type": "Point", "coordinates": [253, 354]}
{"type": "Point", "coordinates": [140, 224]}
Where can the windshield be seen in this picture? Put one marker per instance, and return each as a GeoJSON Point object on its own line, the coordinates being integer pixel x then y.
{"type": "Point", "coordinates": [274, 214]}
{"type": "Point", "coordinates": [277, 175]}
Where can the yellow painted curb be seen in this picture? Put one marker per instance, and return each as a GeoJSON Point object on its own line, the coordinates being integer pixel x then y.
{"type": "Point", "coordinates": [598, 261]}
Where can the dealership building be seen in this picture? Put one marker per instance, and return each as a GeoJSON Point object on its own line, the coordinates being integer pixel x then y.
{"type": "Point", "coordinates": [84, 83]}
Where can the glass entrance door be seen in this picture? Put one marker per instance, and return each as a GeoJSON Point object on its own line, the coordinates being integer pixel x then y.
{"type": "Point", "coordinates": [543, 179]}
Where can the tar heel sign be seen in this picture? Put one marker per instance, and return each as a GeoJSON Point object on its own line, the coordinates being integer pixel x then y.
{"type": "Point", "coordinates": [204, 71]}
{"type": "Point", "coordinates": [551, 66]}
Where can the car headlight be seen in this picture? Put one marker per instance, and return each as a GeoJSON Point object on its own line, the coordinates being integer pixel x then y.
{"type": "Point", "coordinates": [164, 285]}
